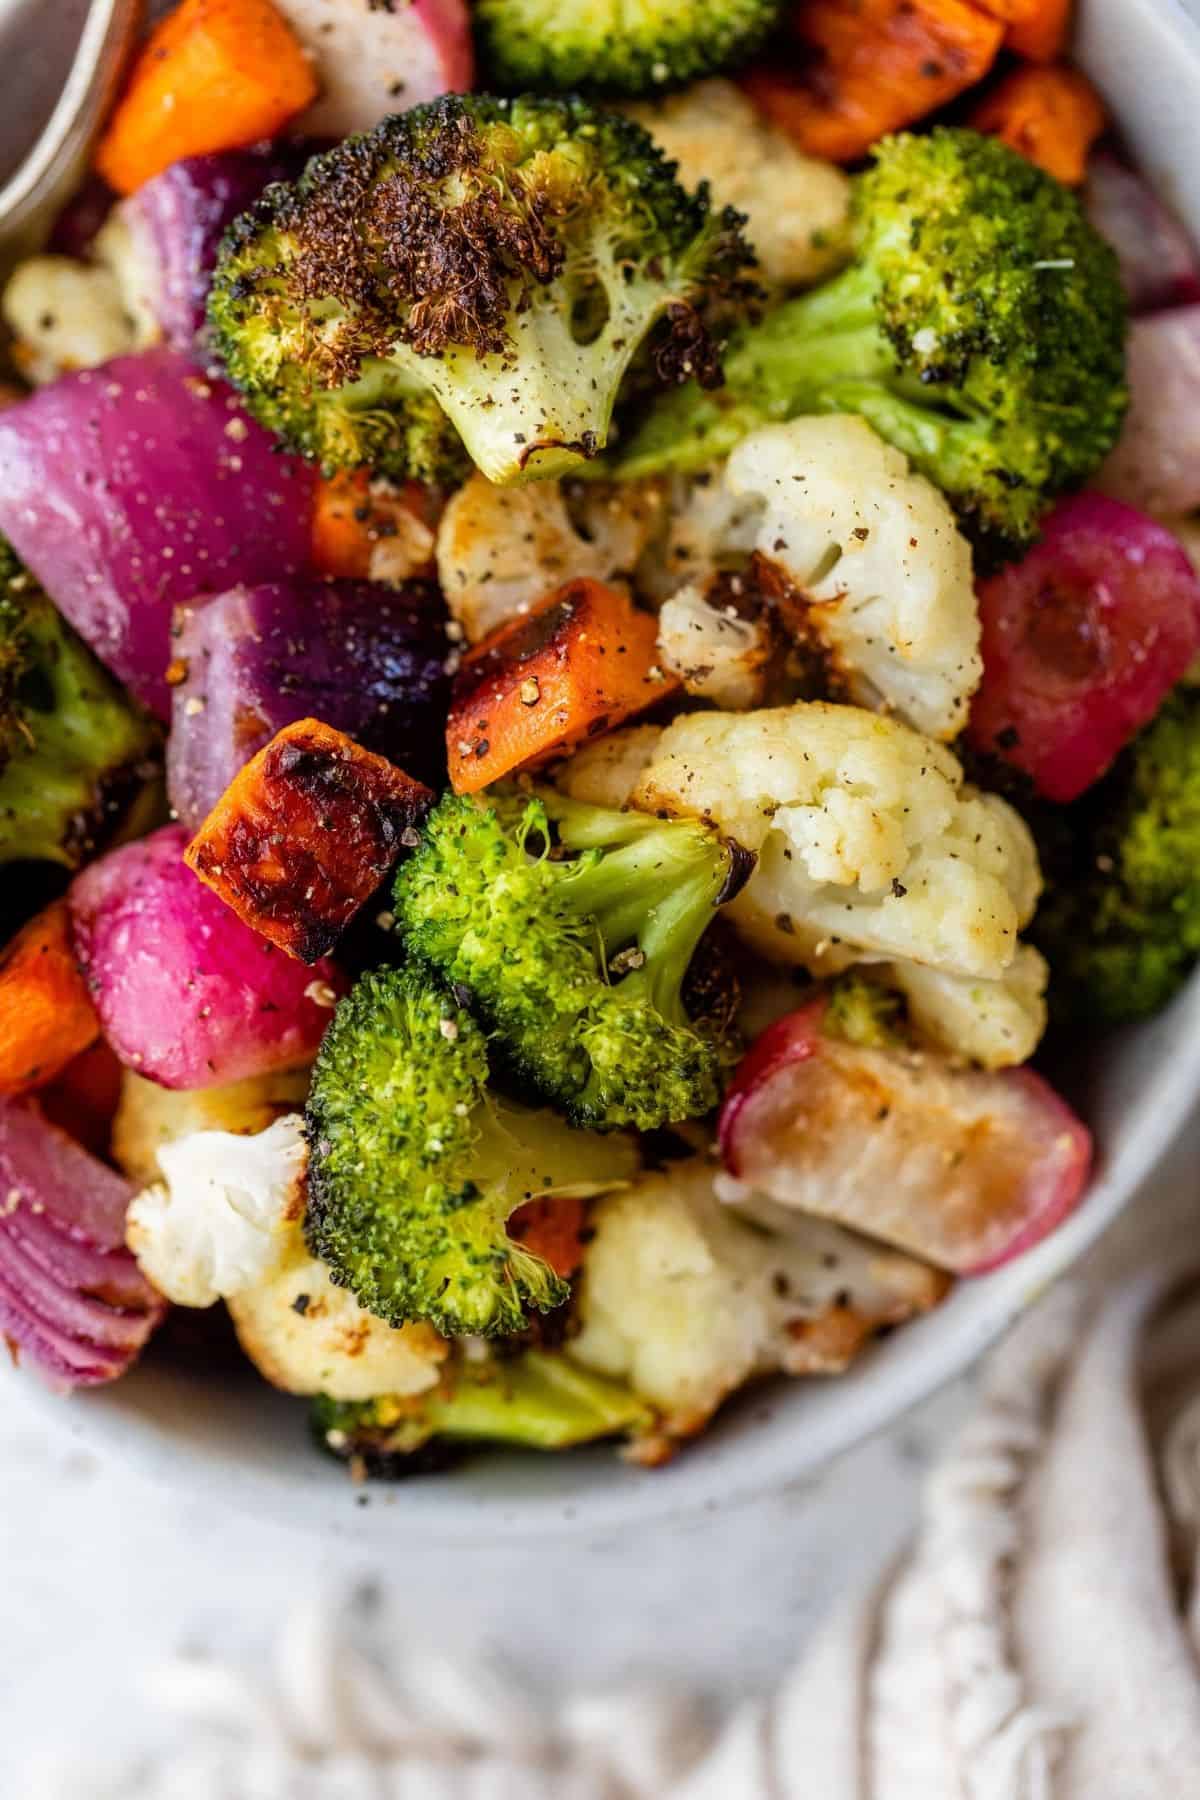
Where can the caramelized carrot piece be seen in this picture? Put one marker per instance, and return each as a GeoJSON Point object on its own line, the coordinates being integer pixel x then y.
{"type": "Point", "coordinates": [213, 75]}
{"type": "Point", "coordinates": [580, 662]}
{"type": "Point", "coordinates": [552, 1228]}
{"type": "Point", "coordinates": [46, 1012]}
{"type": "Point", "coordinates": [83, 1100]}
{"type": "Point", "coordinates": [1043, 33]}
{"type": "Point", "coordinates": [868, 67]}
{"type": "Point", "coordinates": [361, 530]}
{"type": "Point", "coordinates": [1051, 115]}
{"type": "Point", "coordinates": [304, 834]}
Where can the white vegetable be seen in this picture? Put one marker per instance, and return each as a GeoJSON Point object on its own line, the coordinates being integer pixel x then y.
{"type": "Point", "coordinates": [717, 653]}
{"type": "Point", "coordinates": [798, 207]}
{"type": "Point", "coordinates": [995, 1023]}
{"type": "Point", "coordinates": [875, 552]}
{"type": "Point", "coordinates": [868, 840]}
{"type": "Point", "coordinates": [149, 1116]}
{"type": "Point", "coordinates": [706, 529]}
{"type": "Point", "coordinates": [606, 772]}
{"type": "Point", "coordinates": [685, 1299]}
{"type": "Point", "coordinates": [374, 57]}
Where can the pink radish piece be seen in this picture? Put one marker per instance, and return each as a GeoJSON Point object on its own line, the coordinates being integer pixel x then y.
{"type": "Point", "coordinates": [73, 1303]}
{"type": "Point", "coordinates": [1158, 263]}
{"type": "Point", "coordinates": [374, 59]}
{"type": "Point", "coordinates": [188, 995]}
{"type": "Point", "coordinates": [1156, 462]}
{"type": "Point", "coordinates": [1082, 641]}
{"type": "Point", "coordinates": [963, 1168]}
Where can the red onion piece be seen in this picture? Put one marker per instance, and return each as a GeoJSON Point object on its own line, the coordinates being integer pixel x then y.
{"type": "Point", "coordinates": [73, 1302]}
{"type": "Point", "coordinates": [1156, 462]}
{"type": "Point", "coordinates": [187, 995]}
{"type": "Point", "coordinates": [132, 487]}
{"type": "Point", "coordinates": [366, 659]}
{"type": "Point", "coordinates": [963, 1168]}
{"type": "Point", "coordinates": [1082, 641]}
{"type": "Point", "coordinates": [1158, 264]}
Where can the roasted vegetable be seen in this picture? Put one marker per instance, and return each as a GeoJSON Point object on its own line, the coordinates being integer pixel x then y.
{"type": "Point", "coordinates": [1052, 115]}
{"type": "Point", "coordinates": [46, 1012]}
{"type": "Point", "coordinates": [616, 46]}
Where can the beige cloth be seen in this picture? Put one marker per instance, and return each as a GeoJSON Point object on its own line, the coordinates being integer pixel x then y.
{"type": "Point", "coordinates": [1039, 1641]}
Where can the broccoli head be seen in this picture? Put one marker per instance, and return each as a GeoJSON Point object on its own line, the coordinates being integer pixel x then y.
{"type": "Point", "coordinates": [619, 47]}
{"type": "Point", "coordinates": [478, 269]}
{"type": "Point", "coordinates": [572, 928]}
{"type": "Point", "coordinates": [1120, 921]}
{"type": "Point", "coordinates": [414, 1165]}
{"type": "Point", "coordinates": [74, 749]}
{"type": "Point", "coordinates": [538, 1399]}
{"type": "Point", "coordinates": [979, 328]}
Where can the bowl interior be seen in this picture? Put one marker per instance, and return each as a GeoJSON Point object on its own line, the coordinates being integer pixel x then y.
{"type": "Point", "coordinates": [231, 1434]}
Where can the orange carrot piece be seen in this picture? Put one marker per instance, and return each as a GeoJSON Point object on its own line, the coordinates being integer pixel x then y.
{"type": "Point", "coordinates": [552, 1228]}
{"type": "Point", "coordinates": [341, 542]}
{"type": "Point", "coordinates": [83, 1100]}
{"type": "Point", "coordinates": [360, 528]}
{"type": "Point", "coordinates": [579, 663]}
{"type": "Point", "coordinates": [1052, 115]}
{"type": "Point", "coordinates": [304, 834]}
{"type": "Point", "coordinates": [868, 67]}
{"type": "Point", "coordinates": [1043, 33]}
{"type": "Point", "coordinates": [213, 75]}
{"type": "Point", "coordinates": [46, 1012]}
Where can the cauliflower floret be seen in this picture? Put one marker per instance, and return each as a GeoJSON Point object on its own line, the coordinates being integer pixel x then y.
{"type": "Point", "coordinates": [994, 1023]}
{"type": "Point", "coordinates": [868, 841]}
{"type": "Point", "coordinates": [718, 653]}
{"type": "Point", "coordinates": [686, 1299]}
{"type": "Point", "coordinates": [65, 314]}
{"type": "Point", "coordinates": [706, 529]}
{"type": "Point", "coordinates": [874, 551]}
{"type": "Point", "coordinates": [149, 1116]}
{"type": "Point", "coordinates": [500, 549]}
{"type": "Point", "coordinates": [798, 206]}
{"type": "Point", "coordinates": [606, 772]}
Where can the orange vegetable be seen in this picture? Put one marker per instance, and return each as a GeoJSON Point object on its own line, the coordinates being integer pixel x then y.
{"type": "Point", "coordinates": [552, 1228]}
{"type": "Point", "coordinates": [1051, 115]}
{"type": "Point", "coordinates": [304, 834]}
{"type": "Point", "coordinates": [46, 1012]}
{"type": "Point", "coordinates": [364, 529]}
{"type": "Point", "coordinates": [83, 1100]}
{"type": "Point", "coordinates": [580, 662]}
{"type": "Point", "coordinates": [1043, 33]}
{"type": "Point", "coordinates": [868, 67]}
{"type": "Point", "coordinates": [213, 75]}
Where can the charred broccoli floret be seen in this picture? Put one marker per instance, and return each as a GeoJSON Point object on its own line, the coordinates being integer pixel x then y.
{"type": "Point", "coordinates": [616, 46]}
{"type": "Point", "coordinates": [477, 266]}
{"type": "Point", "coordinates": [1120, 921]}
{"type": "Point", "coordinates": [979, 328]}
{"type": "Point", "coordinates": [572, 928]}
{"type": "Point", "coordinates": [539, 1399]}
{"type": "Point", "coordinates": [73, 748]}
{"type": "Point", "coordinates": [414, 1165]}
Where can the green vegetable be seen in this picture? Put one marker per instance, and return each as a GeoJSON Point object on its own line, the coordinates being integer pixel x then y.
{"type": "Point", "coordinates": [72, 746]}
{"type": "Point", "coordinates": [865, 1012]}
{"type": "Point", "coordinates": [414, 1165]}
{"type": "Point", "coordinates": [1120, 923]}
{"type": "Point", "coordinates": [577, 962]}
{"type": "Point", "coordinates": [477, 266]}
{"type": "Point", "coordinates": [616, 46]}
{"type": "Point", "coordinates": [979, 328]}
{"type": "Point", "coordinates": [539, 1399]}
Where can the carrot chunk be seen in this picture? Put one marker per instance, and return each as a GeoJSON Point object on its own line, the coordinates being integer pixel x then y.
{"type": "Point", "coordinates": [552, 1228]}
{"type": "Point", "coordinates": [580, 662]}
{"type": "Point", "coordinates": [46, 1012]}
{"type": "Point", "coordinates": [1051, 115]}
{"type": "Point", "coordinates": [213, 75]}
{"type": "Point", "coordinates": [363, 529]}
{"type": "Point", "coordinates": [1042, 33]}
{"type": "Point", "coordinates": [868, 67]}
{"type": "Point", "coordinates": [304, 834]}
{"type": "Point", "coordinates": [83, 1100]}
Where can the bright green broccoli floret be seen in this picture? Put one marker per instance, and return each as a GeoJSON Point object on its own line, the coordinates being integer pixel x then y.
{"type": "Point", "coordinates": [538, 1399]}
{"type": "Point", "coordinates": [72, 746]}
{"type": "Point", "coordinates": [1120, 923]}
{"type": "Point", "coordinates": [414, 1165]}
{"type": "Point", "coordinates": [477, 266]}
{"type": "Point", "coordinates": [979, 328]}
{"type": "Point", "coordinates": [577, 961]}
{"type": "Point", "coordinates": [620, 47]}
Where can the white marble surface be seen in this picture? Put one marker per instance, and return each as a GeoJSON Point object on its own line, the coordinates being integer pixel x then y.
{"type": "Point", "coordinates": [102, 1575]}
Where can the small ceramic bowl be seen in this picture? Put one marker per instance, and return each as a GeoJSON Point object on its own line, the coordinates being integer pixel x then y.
{"type": "Point", "coordinates": [229, 1434]}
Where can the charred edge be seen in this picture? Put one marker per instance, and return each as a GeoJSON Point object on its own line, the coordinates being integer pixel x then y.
{"type": "Point", "coordinates": [738, 872]}
{"type": "Point", "coordinates": [687, 351]}
{"type": "Point", "coordinates": [518, 644]}
{"type": "Point", "coordinates": [587, 446]}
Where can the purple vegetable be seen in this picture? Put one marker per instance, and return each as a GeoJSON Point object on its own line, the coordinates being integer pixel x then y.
{"type": "Point", "coordinates": [75, 228]}
{"type": "Point", "coordinates": [1158, 264]}
{"type": "Point", "coordinates": [131, 488]}
{"type": "Point", "coordinates": [175, 223]}
{"type": "Point", "coordinates": [1156, 463]}
{"type": "Point", "coordinates": [72, 1299]}
{"type": "Point", "coordinates": [367, 659]}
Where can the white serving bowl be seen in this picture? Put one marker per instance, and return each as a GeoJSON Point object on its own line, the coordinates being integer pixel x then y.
{"type": "Point", "coordinates": [238, 1439]}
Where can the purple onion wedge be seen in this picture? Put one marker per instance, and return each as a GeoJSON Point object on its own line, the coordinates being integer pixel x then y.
{"type": "Point", "coordinates": [73, 1303]}
{"type": "Point", "coordinates": [366, 659]}
{"type": "Point", "coordinates": [130, 488]}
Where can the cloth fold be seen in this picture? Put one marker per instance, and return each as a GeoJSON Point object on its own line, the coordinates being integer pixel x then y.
{"type": "Point", "coordinates": [1039, 1640]}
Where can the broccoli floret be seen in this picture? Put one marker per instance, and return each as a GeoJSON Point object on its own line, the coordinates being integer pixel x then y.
{"type": "Point", "coordinates": [1120, 922]}
{"type": "Point", "coordinates": [414, 1165]}
{"type": "Point", "coordinates": [577, 961]}
{"type": "Point", "coordinates": [73, 747]}
{"type": "Point", "coordinates": [866, 1013]}
{"type": "Point", "coordinates": [979, 328]}
{"type": "Point", "coordinates": [540, 1400]}
{"type": "Point", "coordinates": [615, 46]}
{"type": "Point", "coordinates": [476, 266]}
